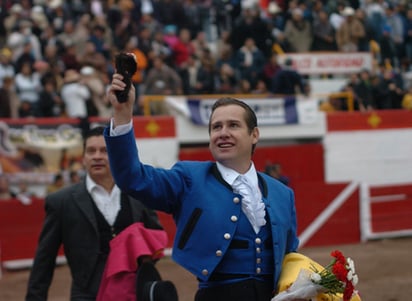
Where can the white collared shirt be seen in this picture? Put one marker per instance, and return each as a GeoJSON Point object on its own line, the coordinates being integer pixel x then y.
{"type": "Point", "coordinates": [247, 186]}
{"type": "Point", "coordinates": [107, 203]}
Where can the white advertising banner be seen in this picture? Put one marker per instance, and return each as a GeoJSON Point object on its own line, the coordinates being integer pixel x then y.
{"type": "Point", "coordinates": [329, 62]}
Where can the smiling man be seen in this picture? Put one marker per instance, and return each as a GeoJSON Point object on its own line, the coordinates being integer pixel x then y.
{"type": "Point", "coordinates": [234, 224]}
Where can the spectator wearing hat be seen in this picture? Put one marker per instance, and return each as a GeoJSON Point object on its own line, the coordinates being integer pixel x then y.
{"type": "Point", "coordinates": [11, 21]}
{"type": "Point", "coordinates": [39, 19]}
{"type": "Point", "coordinates": [75, 95]}
{"type": "Point", "coordinates": [350, 32]}
{"type": "Point", "coordinates": [97, 105]}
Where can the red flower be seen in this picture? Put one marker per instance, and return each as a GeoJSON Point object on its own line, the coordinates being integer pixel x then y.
{"type": "Point", "coordinates": [339, 256]}
{"type": "Point", "coordinates": [340, 271]}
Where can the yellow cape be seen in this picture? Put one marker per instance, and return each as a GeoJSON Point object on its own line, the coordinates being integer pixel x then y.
{"type": "Point", "coordinates": [292, 264]}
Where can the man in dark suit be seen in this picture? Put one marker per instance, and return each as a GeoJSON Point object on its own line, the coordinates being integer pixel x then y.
{"type": "Point", "coordinates": [84, 217]}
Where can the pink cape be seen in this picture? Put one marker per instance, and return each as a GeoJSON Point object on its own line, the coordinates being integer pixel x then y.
{"type": "Point", "coordinates": [119, 277]}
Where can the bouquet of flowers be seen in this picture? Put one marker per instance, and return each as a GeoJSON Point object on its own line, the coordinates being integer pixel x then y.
{"type": "Point", "coordinates": [337, 280]}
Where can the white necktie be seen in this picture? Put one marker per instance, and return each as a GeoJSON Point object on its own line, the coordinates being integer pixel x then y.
{"type": "Point", "coordinates": [252, 205]}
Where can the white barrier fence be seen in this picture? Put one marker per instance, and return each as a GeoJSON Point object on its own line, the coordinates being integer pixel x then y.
{"type": "Point", "coordinates": [395, 207]}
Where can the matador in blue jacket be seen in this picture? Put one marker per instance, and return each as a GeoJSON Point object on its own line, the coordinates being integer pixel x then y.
{"type": "Point", "coordinates": [234, 225]}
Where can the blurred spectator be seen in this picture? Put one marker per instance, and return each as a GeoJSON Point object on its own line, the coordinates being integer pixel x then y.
{"type": "Point", "coordinates": [298, 32]}
{"type": "Point", "coordinates": [142, 64]}
{"type": "Point", "coordinates": [205, 79]}
{"type": "Point", "coordinates": [190, 79]}
{"type": "Point", "coordinates": [375, 13]}
{"type": "Point", "coordinates": [364, 92]}
{"type": "Point", "coordinates": [270, 68]}
{"type": "Point", "coordinates": [28, 87]}
{"type": "Point", "coordinates": [5, 191]}
{"type": "Point", "coordinates": [9, 101]}
{"type": "Point", "coordinates": [387, 93]}
{"type": "Point", "coordinates": [50, 102]}
{"type": "Point", "coordinates": [323, 33]}
{"type": "Point", "coordinates": [102, 37]}
{"type": "Point", "coordinates": [58, 183]}
{"type": "Point", "coordinates": [394, 22]}
{"type": "Point", "coordinates": [408, 35]}
{"type": "Point", "coordinates": [11, 21]}
{"type": "Point", "coordinates": [250, 62]}
{"type": "Point", "coordinates": [159, 48]}
{"type": "Point", "coordinates": [170, 35]}
{"type": "Point", "coordinates": [181, 52]}
{"type": "Point", "coordinates": [68, 35]}
{"type": "Point", "coordinates": [74, 177]}
{"type": "Point", "coordinates": [275, 171]}
{"type": "Point", "coordinates": [407, 99]}
{"type": "Point", "coordinates": [25, 28]}
{"type": "Point", "coordinates": [148, 21]}
{"type": "Point", "coordinates": [250, 24]}
{"type": "Point", "coordinates": [226, 74]}
{"type": "Point", "coordinates": [145, 41]}
{"type": "Point", "coordinates": [225, 12]}
{"type": "Point", "coordinates": [275, 17]}
{"type": "Point", "coordinates": [75, 95]}
{"type": "Point", "coordinates": [6, 67]}
{"type": "Point", "coordinates": [58, 13]}
{"type": "Point", "coordinates": [200, 44]}
{"type": "Point", "coordinates": [193, 20]}
{"type": "Point", "coordinates": [97, 104]}
{"type": "Point", "coordinates": [364, 43]}
{"type": "Point", "coordinates": [260, 88]}
{"type": "Point", "coordinates": [69, 56]}
{"type": "Point", "coordinates": [170, 12]}
{"type": "Point", "coordinates": [39, 20]}
{"type": "Point", "coordinates": [287, 81]}
{"type": "Point", "coordinates": [350, 32]}
{"type": "Point", "coordinates": [93, 58]}
{"type": "Point", "coordinates": [23, 193]}
{"type": "Point", "coordinates": [162, 80]}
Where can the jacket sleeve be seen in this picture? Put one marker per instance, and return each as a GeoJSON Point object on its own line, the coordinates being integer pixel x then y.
{"type": "Point", "coordinates": [45, 258]}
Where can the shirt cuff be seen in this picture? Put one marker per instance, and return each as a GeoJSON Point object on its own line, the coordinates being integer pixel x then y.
{"type": "Point", "coordinates": [120, 129]}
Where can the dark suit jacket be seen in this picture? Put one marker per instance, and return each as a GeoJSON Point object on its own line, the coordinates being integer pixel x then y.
{"type": "Point", "coordinates": [71, 221]}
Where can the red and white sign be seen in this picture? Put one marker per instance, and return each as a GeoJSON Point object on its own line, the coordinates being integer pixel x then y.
{"type": "Point", "coordinates": [329, 62]}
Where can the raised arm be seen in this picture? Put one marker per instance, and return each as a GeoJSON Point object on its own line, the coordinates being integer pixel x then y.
{"type": "Point", "coordinates": [122, 112]}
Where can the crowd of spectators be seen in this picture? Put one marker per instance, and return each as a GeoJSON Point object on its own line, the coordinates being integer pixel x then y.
{"type": "Point", "coordinates": [56, 56]}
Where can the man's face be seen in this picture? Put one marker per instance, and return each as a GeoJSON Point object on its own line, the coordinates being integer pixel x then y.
{"type": "Point", "coordinates": [230, 140]}
{"type": "Point", "coordinates": [95, 158]}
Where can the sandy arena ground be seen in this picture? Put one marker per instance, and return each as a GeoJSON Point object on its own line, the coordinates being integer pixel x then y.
{"type": "Point", "coordinates": [384, 268]}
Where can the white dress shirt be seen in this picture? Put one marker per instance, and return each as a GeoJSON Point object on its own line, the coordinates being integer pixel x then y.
{"type": "Point", "coordinates": [107, 203]}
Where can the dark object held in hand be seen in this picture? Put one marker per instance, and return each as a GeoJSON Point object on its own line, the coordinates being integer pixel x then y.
{"type": "Point", "coordinates": [126, 65]}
